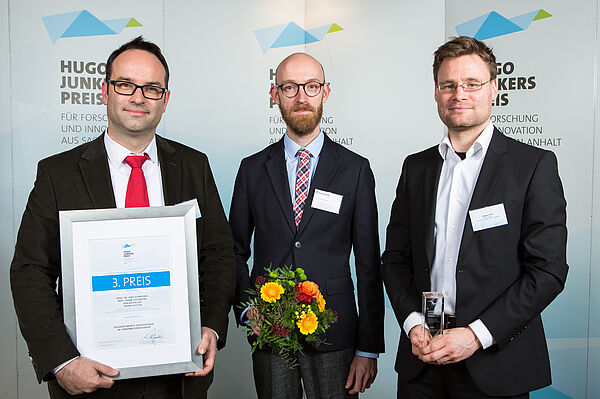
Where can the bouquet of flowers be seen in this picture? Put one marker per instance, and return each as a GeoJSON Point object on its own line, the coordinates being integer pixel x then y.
{"type": "Point", "coordinates": [289, 308]}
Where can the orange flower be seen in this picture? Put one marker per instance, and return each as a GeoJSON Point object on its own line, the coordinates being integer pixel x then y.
{"type": "Point", "coordinates": [271, 292]}
{"type": "Point", "coordinates": [321, 302]}
{"type": "Point", "coordinates": [309, 288]}
{"type": "Point", "coordinates": [307, 323]}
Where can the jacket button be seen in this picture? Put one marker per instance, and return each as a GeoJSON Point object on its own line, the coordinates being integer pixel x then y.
{"type": "Point", "coordinates": [298, 244]}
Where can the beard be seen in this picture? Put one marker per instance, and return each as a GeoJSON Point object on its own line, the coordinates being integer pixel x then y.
{"type": "Point", "coordinates": [302, 125]}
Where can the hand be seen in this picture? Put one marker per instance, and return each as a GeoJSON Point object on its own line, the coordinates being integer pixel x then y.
{"type": "Point", "coordinates": [84, 375]}
{"type": "Point", "coordinates": [208, 348]}
{"type": "Point", "coordinates": [418, 340]}
{"type": "Point", "coordinates": [363, 371]}
{"type": "Point", "coordinates": [255, 319]}
{"type": "Point", "coordinates": [452, 346]}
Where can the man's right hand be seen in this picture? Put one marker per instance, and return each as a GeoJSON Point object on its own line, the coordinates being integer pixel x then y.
{"type": "Point", "coordinates": [255, 319]}
{"type": "Point", "coordinates": [418, 339]}
{"type": "Point", "coordinates": [84, 375]}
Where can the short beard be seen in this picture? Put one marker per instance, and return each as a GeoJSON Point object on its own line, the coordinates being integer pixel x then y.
{"type": "Point", "coordinates": [302, 125]}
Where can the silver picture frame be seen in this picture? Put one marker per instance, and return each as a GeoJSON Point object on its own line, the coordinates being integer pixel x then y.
{"type": "Point", "coordinates": [178, 224]}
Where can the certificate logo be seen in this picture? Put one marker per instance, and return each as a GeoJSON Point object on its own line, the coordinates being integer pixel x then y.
{"type": "Point", "coordinates": [290, 34]}
{"type": "Point", "coordinates": [84, 23]}
{"type": "Point", "coordinates": [493, 24]}
{"type": "Point", "coordinates": [128, 253]}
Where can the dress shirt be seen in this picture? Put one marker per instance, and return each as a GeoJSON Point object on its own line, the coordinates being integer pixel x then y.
{"type": "Point", "coordinates": [292, 159]}
{"type": "Point", "coordinates": [455, 189]}
{"type": "Point", "coordinates": [119, 171]}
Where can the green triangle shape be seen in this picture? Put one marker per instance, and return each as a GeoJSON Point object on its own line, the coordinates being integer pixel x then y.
{"type": "Point", "coordinates": [542, 14]}
{"type": "Point", "coordinates": [133, 22]}
{"type": "Point", "coordinates": [335, 28]}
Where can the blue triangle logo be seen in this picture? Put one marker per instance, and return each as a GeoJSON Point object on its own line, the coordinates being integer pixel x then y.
{"type": "Point", "coordinates": [471, 27]}
{"type": "Point", "coordinates": [496, 25]}
{"type": "Point", "coordinates": [116, 25]}
{"type": "Point", "coordinates": [57, 24]}
{"type": "Point", "coordinates": [524, 20]}
{"type": "Point", "coordinates": [293, 35]}
{"type": "Point", "coordinates": [87, 25]}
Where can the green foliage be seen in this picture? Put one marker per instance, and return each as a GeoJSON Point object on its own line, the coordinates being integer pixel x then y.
{"type": "Point", "coordinates": [278, 320]}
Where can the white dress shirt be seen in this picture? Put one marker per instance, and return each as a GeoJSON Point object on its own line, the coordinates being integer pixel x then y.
{"type": "Point", "coordinates": [455, 189]}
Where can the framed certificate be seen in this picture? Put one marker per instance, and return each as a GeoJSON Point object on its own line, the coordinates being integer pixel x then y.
{"type": "Point", "coordinates": [130, 288]}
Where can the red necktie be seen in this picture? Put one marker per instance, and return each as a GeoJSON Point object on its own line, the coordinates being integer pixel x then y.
{"type": "Point", "coordinates": [137, 193]}
{"type": "Point", "coordinates": [302, 178]}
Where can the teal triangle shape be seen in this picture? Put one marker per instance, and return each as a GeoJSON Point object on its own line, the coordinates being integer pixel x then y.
{"type": "Point", "coordinates": [117, 25]}
{"type": "Point", "coordinates": [56, 25]}
{"type": "Point", "coordinates": [549, 393]}
{"type": "Point", "coordinates": [267, 36]}
{"type": "Point", "coordinates": [293, 35]}
{"type": "Point", "coordinates": [87, 25]}
{"type": "Point", "coordinates": [524, 20]}
{"type": "Point", "coordinates": [320, 31]}
{"type": "Point", "coordinates": [496, 25]}
{"type": "Point", "coordinates": [471, 27]}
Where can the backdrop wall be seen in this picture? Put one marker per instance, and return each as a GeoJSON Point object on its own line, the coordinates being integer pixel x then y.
{"type": "Point", "coordinates": [377, 56]}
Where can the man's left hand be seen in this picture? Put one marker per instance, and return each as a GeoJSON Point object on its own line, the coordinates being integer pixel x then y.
{"type": "Point", "coordinates": [363, 371]}
{"type": "Point", "coordinates": [452, 346]}
{"type": "Point", "coordinates": [208, 348]}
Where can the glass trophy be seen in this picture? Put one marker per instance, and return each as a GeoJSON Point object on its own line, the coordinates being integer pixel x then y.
{"type": "Point", "coordinates": [433, 313]}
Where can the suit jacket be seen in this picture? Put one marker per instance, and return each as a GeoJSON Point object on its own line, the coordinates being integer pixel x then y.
{"type": "Point", "coordinates": [505, 275]}
{"type": "Point", "coordinates": [262, 205]}
{"type": "Point", "coordinates": [80, 179]}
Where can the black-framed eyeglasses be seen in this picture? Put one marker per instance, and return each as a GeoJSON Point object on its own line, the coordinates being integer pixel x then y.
{"type": "Point", "coordinates": [291, 89]}
{"type": "Point", "coordinates": [469, 86]}
{"type": "Point", "coordinates": [126, 88]}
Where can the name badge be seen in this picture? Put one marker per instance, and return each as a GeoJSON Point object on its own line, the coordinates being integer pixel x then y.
{"type": "Point", "coordinates": [192, 202]}
{"type": "Point", "coordinates": [326, 201]}
{"type": "Point", "coordinates": [488, 217]}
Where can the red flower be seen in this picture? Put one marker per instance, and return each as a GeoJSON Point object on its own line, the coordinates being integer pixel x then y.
{"type": "Point", "coordinates": [303, 298]}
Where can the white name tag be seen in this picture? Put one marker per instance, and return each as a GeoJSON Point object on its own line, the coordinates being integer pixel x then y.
{"type": "Point", "coordinates": [192, 202]}
{"type": "Point", "coordinates": [488, 217]}
{"type": "Point", "coordinates": [326, 201]}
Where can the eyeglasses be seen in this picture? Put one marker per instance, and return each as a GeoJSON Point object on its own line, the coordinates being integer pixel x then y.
{"type": "Point", "coordinates": [469, 86]}
{"type": "Point", "coordinates": [290, 89]}
{"type": "Point", "coordinates": [127, 89]}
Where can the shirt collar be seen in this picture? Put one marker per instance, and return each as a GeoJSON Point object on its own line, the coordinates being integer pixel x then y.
{"type": "Point", "coordinates": [117, 153]}
{"type": "Point", "coordinates": [291, 147]}
{"type": "Point", "coordinates": [481, 143]}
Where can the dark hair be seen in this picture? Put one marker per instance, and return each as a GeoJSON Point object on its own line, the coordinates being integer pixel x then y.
{"type": "Point", "coordinates": [464, 45]}
{"type": "Point", "coordinates": [138, 44]}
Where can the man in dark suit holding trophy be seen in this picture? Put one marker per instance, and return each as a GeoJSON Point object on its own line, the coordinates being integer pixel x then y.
{"type": "Point", "coordinates": [479, 218]}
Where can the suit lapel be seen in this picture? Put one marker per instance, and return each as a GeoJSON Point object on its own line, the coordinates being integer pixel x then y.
{"type": "Point", "coordinates": [326, 170]}
{"type": "Point", "coordinates": [170, 171]}
{"type": "Point", "coordinates": [96, 174]}
{"type": "Point", "coordinates": [277, 172]}
{"type": "Point", "coordinates": [430, 185]}
{"type": "Point", "coordinates": [491, 170]}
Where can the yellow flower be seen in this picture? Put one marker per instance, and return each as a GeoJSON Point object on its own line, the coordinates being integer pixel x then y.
{"type": "Point", "coordinates": [308, 323]}
{"type": "Point", "coordinates": [321, 302]}
{"type": "Point", "coordinates": [271, 292]}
